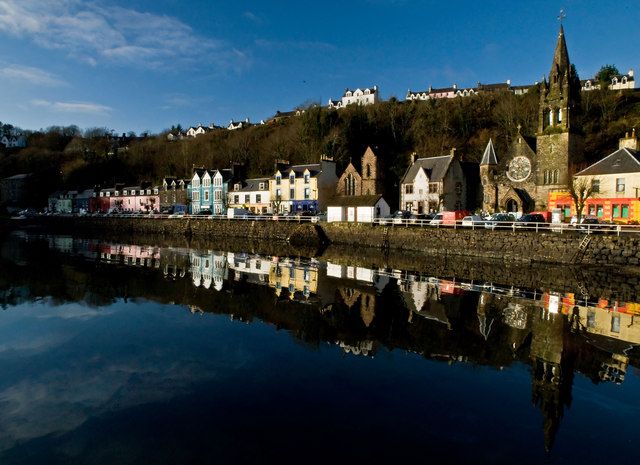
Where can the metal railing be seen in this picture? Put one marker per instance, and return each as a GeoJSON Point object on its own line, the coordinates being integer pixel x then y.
{"type": "Point", "coordinates": [487, 224]}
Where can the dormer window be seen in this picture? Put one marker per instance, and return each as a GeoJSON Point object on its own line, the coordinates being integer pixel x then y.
{"type": "Point", "coordinates": [124, 192]}
{"type": "Point", "coordinates": [236, 187]}
{"type": "Point", "coordinates": [278, 179]}
{"type": "Point", "coordinates": [292, 178]}
{"type": "Point", "coordinates": [101, 194]}
{"type": "Point", "coordinates": [149, 192]}
{"type": "Point", "coordinates": [261, 186]}
{"type": "Point", "coordinates": [116, 193]}
{"type": "Point", "coordinates": [306, 178]}
{"type": "Point", "coordinates": [155, 191]}
{"type": "Point", "coordinates": [141, 192]}
{"type": "Point", "coordinates": [108, 194]}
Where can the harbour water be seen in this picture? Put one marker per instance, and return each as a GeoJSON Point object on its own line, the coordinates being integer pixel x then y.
{"type": "Point", "coordinates": [121, 352]}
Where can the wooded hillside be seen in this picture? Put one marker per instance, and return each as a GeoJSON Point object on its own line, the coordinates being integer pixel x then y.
{"type": "Point", "coordinates": [66, 158]}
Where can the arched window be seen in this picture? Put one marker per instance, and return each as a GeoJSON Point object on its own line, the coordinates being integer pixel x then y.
{"type": "Point", "coordinates": [546, 177]}
{"type": "Point", "coordinates": [560, 115]}
{"type": "Point", "coordinates": [368, 171]}
{"type": "Point", "coordinates": [555, 177]}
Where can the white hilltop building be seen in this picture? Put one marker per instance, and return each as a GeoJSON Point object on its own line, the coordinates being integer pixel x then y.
{"type": "Point", "coordinates": [365, 96]}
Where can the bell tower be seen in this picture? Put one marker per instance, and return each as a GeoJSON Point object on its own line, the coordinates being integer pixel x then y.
{"type": "Point", "coordinates": [559, 138]}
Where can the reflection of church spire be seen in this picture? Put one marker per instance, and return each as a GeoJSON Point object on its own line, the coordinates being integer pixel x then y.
{"type": "Point", "coordinates": [552, 371]}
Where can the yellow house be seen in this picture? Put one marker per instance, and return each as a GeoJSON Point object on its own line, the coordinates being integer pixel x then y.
{"type": "Point", "coordinates": [299, 188]}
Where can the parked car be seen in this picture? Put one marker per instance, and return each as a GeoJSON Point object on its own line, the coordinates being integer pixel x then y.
{"type": "Point", "coordinates": [593, 225]}
{"type": "Point", "coordinates": [448, 218]}
{"type": "Point", "coordinates": [471, 221]}
{"type": "Point", "coordinates": [398, 217]}
{"type": "Point", "coordinates": [499, 221]}
{"type": "Point", "coordinates": [531, 221]}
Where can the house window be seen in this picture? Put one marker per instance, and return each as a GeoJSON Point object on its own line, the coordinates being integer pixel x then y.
{"type": "Point", "coordinates": [567, 211]}
{"type": "Point", "coordinates": [261, 186]}
{"type": "Point", "coordinates": [615, 323]}
{"type": "Point", "coordinates": [155, 191]}
{"type": "Point", "coordinates": [278, 179]}
{"type": "Point", "coordinates": [616, 211]}
{"type": "Point", "coordinates": [292, 193]}
{"type": "Point", "coordinates": [625, 211]}
{"type": "Point", "coordinates": [108, 194]}
{"type": "Point", "coordinates": [247, 198]}
{"type": "Point", "coordinates": [619, 184]}
{"type": "Point", "coordinates": [217, 194]}
{"type": "Point", "coordinates": [306, 178]}
{"type": "Point", "coordinates": [196, 196]}
{"type": "Point", "coordinates": [292, 178]}
{"type": "Point", "coordinates": [433, 187]}
{"type": "Point", "coordinates": [368, 171]}
{"type": "Point", "coordinates": [206, 196]}
{"type": "Point", "coordinates": [592, 210]}
{"type": "Point", "coordinates": [307, 193]}
{"type": "Point", "coordinates": [599, 211]}
{"type": "Point", "coordinates": [236, 187]}
{"type": "Point", "coordinates": [278, 193]}
{"type": "Point", "coordinates": [408, 188]}
{"type": "Point", "coordinates": [124, 192]}
{"type": "Point", "coordinates": [408, 206]}
{"type": "Point", "coordinates": [236, 199]}
{"type": "Point", "coordinates": [595, 186]}
{"type": "Point", "coordinates": [258, 198]}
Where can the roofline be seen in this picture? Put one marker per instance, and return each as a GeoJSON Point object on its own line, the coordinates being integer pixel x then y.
{"type": "Point", "coordinates": [624, 149]}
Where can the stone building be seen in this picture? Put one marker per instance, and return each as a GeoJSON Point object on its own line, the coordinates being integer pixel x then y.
{"type": "Point", "coordinates": [520, 179]}
{"type": "Point", "coordinates": [370, 182]}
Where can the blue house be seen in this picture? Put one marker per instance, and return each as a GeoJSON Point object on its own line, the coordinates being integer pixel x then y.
{"type": "Point", "coordinates": [208, 190]}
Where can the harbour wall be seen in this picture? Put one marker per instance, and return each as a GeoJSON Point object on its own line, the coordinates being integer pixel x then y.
{"type": "Point", "coordinates": [507, 246]}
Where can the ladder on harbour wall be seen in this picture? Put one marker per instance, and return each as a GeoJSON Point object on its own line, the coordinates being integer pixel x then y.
{"type": "Point", "coordinates": [582, 248]}
{"type": "Point", "coordinates": [385, 239]}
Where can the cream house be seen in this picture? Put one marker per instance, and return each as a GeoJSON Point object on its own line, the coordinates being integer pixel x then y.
{"type": "Point", "coordinates": [252, 194]}
{"type": "Point", "coordinates": [433, 184]}
{"type": "Point", "coordinates": [298, 188]}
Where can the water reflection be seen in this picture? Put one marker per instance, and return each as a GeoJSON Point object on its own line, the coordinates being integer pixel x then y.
{"type": "Point", "coordinates": [359, 309]}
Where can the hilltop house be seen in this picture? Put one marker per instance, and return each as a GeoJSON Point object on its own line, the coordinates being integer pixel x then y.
{"type": "Point", "coordinates": [617, 82]}
{"type": "Point", "coordinates": [297, 188]}
{"type": "Point", "coordinates": [239, 124]}
{"type": "Point", "coordinates": [366, 96]}
{"type": "Point", "coordinates": [455, 91]}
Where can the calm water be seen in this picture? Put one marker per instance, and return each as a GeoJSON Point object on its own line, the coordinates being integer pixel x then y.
{"type": "Point", "coordinates": [123, 353]}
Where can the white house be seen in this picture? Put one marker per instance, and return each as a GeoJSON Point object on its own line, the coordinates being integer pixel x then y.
{"type": "Point", "coordinates": [366, 96]}
{"type": "Point", "coordinates": [252, 194]}
{"type": "Point", "coordinates": [618, 82]}
{"type": "Point", "coordinates": [238, 124]}
{"type": "Point", "coordinates": [357, 208]}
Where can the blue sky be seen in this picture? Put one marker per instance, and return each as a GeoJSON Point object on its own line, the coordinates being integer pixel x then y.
{"type": "Point", "coordinates": [147, 64]}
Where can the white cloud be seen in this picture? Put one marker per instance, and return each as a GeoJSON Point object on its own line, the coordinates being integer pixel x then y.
{"type": "Point", "coordinates": [73, 107]}
{"type": "Point", "coordinates": [94, 33]}
{"type": "Point", "coordinates": [32, 75]}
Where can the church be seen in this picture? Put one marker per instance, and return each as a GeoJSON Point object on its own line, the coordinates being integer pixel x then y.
{"type": "Point", "coordinates": [520, 179]}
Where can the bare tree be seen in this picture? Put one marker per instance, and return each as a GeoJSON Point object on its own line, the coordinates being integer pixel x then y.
{"type": "Point", "coordinates": [581, 189]}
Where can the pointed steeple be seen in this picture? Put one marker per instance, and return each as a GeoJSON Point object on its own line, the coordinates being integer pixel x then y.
{"type": "Point", "coordinates": [489, 156]}
{"type": "Point", "coordinates": [561, 65]}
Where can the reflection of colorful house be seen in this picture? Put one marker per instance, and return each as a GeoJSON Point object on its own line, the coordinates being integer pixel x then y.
{"type": "Point", "coordinates": [300, 279]}
{"type": "Point", "coordinates": [129, 254]}
{"type": "Point", "coordinates": [209, 269]}
{"type": "Point", "coordinates": [255, 267]}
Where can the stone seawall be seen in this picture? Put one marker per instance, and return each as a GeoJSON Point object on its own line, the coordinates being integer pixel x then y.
{"type": "Point", "coordinates": [510, 246]}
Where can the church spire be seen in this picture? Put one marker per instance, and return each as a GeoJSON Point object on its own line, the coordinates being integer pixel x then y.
{"type": "Point", "coordinates": [561, 66]}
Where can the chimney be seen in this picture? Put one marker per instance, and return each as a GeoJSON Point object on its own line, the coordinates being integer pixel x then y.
{"type": "Point", "coordinates": [630, 73]}
{"type": "Point", "coordinates": [413, 157]}
{"type": "Point", "coordinates": [455, 86]}
{"type": "Point", "coordinates": [629, 141]}
{"type": "Point", "coordinates": [453, 152]}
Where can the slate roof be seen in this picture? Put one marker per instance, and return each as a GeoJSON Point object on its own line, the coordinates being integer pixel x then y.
{"type": "Point", "coordinates": [621, 161]}
{"type": "Point", "coordinates": [251, 185]}
{"type": "Point", "coordinates": [489, 156]}
{"type": "Point", "coordinates": [354, 201]}
{"type": "Point", "coordinates": [435, 167]}
{"type": "Point", "coordinates": [299, 170]}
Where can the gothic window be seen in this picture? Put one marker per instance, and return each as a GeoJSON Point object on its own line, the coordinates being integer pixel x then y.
{"type": "Point", "coordinates": [555, 176]}
{"type": "Point", "coordinates": [546, 177]}
{"type": "Point", "coordinates": [368, 171]}
{"type": "Point", "coordinates": [560, 115]}
{"type": "Point", "coordinates": [551, 118]}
